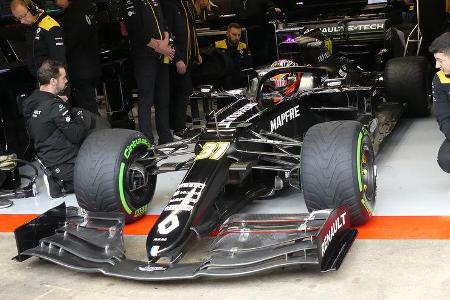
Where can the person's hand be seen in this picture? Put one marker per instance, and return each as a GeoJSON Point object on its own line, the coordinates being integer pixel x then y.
{"type": "Point", "coordinates": [162, 47]}
{"type": "Point", "coordinates": [165, 50]}
{"type": "Point", "coordinates": [64, 98]}
{"type": "Point", "coordinates": [199, 60]}
{"type": "Point", "coordinates": [181, 67]}
{"type": "Point", "coordinates": [165, 42]}
{"type": "Point", "coordinates": [84, 117]}
{"type": "Point", "coordinates": [153, 43]}
{"type": "Point", "coordinates": [276, 9]}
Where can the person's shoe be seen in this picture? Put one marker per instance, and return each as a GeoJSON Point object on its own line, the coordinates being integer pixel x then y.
{"type": "Point", "coordinates": [53, 189]}
{"type": "Point", "coordinates": [177, 136]}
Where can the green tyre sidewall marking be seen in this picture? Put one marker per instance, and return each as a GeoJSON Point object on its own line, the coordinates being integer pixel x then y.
{"type": "Point", "coordinates": [121, 192]}
{"type": "Point", "coordinates": [358, 161]}
{"type": "Point", "coordinates": [126, 155]}
{"type": "Point", "coordinates": [364, 200]}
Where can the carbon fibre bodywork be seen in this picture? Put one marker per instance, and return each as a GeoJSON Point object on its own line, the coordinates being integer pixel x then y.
{"type": "Point", "coordinates": [254, 142]}
{"type": "Point", "coordinates": [246, 150]}
{"type": "Point", "coordinates": [245, 244]}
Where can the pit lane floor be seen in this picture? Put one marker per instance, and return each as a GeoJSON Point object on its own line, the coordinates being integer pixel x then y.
{"type": "Point", "coordinates": [401, 253]}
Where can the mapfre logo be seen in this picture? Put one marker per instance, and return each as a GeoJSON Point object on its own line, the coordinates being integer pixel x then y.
{"type": "Point", "coordinates": [284, 118]}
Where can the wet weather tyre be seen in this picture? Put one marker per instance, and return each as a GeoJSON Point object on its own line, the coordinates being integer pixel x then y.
{"type": "Point", "coordinates": [407, 80]}
{"type": "Point", "coordinates": [337, 168]}
{"type": "Point", "coordinates": [108, 177]}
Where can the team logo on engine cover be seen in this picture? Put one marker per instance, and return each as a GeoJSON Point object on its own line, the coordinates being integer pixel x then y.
{"type": "Point", "coordinates": [353, 28]}
{"type": "Point", "coordinates": [285, 117]}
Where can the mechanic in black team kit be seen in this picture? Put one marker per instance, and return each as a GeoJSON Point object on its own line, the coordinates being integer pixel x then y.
{"type": "Point", "coordinates": [82, 49]}
{"type": "Point", "coordinates": [179, 16]}
{"type": "Point", "coordinates": [149, 40]}
{"type": "Point", "coordinates": [57, 132]}
{"type": "Point", "coordinates": [441, 95]}
{"type": "Point", "coordinates": [252, 14]}
{"type": "Point", "coordinates": [43, 35]}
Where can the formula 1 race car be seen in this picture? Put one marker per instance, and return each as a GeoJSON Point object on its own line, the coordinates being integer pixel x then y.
{"type": "Point", "coordinates": [316, 128]}
{"type": "Point", "coordinates": [318, 137]}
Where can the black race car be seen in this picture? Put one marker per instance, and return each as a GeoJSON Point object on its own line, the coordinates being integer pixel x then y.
{"type": "Point", "coordinates": [314, 128]}
{"type": "Point", "coordinates": [319, 138]}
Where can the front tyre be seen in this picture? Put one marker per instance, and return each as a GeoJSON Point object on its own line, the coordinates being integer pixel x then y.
{"type": "Point", "coordinates": [337, 168]}
{"type": "Point", "coordinates": [109, 175]}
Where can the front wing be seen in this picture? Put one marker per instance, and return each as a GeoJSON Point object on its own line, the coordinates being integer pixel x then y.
{"type": "Point", "coordinates": [245, 244]}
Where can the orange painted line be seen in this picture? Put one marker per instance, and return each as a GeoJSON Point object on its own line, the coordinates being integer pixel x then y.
{"type": "Point", "coordinates": [8, 223]}
{"type": "Point", "coordinates": [406, 228]}
{"type": "Point", "coordinates": [382, 227]}
{"type": "Point", "coordinates": [141, 227]}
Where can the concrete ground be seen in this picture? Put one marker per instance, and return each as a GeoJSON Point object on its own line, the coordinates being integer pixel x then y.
{"type": "Point", "coordinates": [374, 269]}
{"type": "Point", "coordinates": [409, 184]}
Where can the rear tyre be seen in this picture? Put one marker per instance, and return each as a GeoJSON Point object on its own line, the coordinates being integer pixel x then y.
{"type": "Point", "coordinates": [407, 80]}
{"type": "Point", "coordinates": [337, 168]}
{"type": "Point", "coordinates": [108, 176]}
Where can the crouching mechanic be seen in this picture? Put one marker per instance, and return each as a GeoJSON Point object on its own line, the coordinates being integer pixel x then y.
{"type": "Point", "coordinates": [441, 95]}
{"type": "Point", "coordinates": [57, 132]}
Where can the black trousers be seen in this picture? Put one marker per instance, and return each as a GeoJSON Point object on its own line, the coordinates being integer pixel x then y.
{"type": "Point", "coordinates": [262, 44]}
{"type": "Point", "coordinates": [180, 90]}
{"type": "Point", "coordinates": [152, 77]}
{"type": "Point", "coordinates": [444, 156]}
{"type": "Point", "coordinates": [82, 94]}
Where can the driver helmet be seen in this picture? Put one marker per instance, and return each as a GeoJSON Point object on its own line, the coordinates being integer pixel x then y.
{"type": "Point", "coordinates": [286, 83]}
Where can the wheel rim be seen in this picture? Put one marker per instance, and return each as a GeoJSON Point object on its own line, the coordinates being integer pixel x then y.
{"type": "Point", "coordinates": [368, 176]}
{"type": "Point", "coordinates": [139, 181]}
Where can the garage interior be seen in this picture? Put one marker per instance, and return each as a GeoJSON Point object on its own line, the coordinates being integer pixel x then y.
{"type": "Point", "coordinates": [400, 253]}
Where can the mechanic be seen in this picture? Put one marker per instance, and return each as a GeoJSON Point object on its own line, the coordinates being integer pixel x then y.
{"type": "Point", "coordinates": [149, 40]}
{"type": "Point", "coordinates": [82, 49]}
{"type": "Point", "coordinates": [440, 48]}
{"type": "Point", "coordinates": [42, 34]}
{"type": "Point", "coordinates": [239, 55]}
{"type": "Point", "coordinates": [57, 132]}
{"type": "Point", "coordinates": [252, 13]}
{"type": "Point", "coordinates": [179, 16]}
